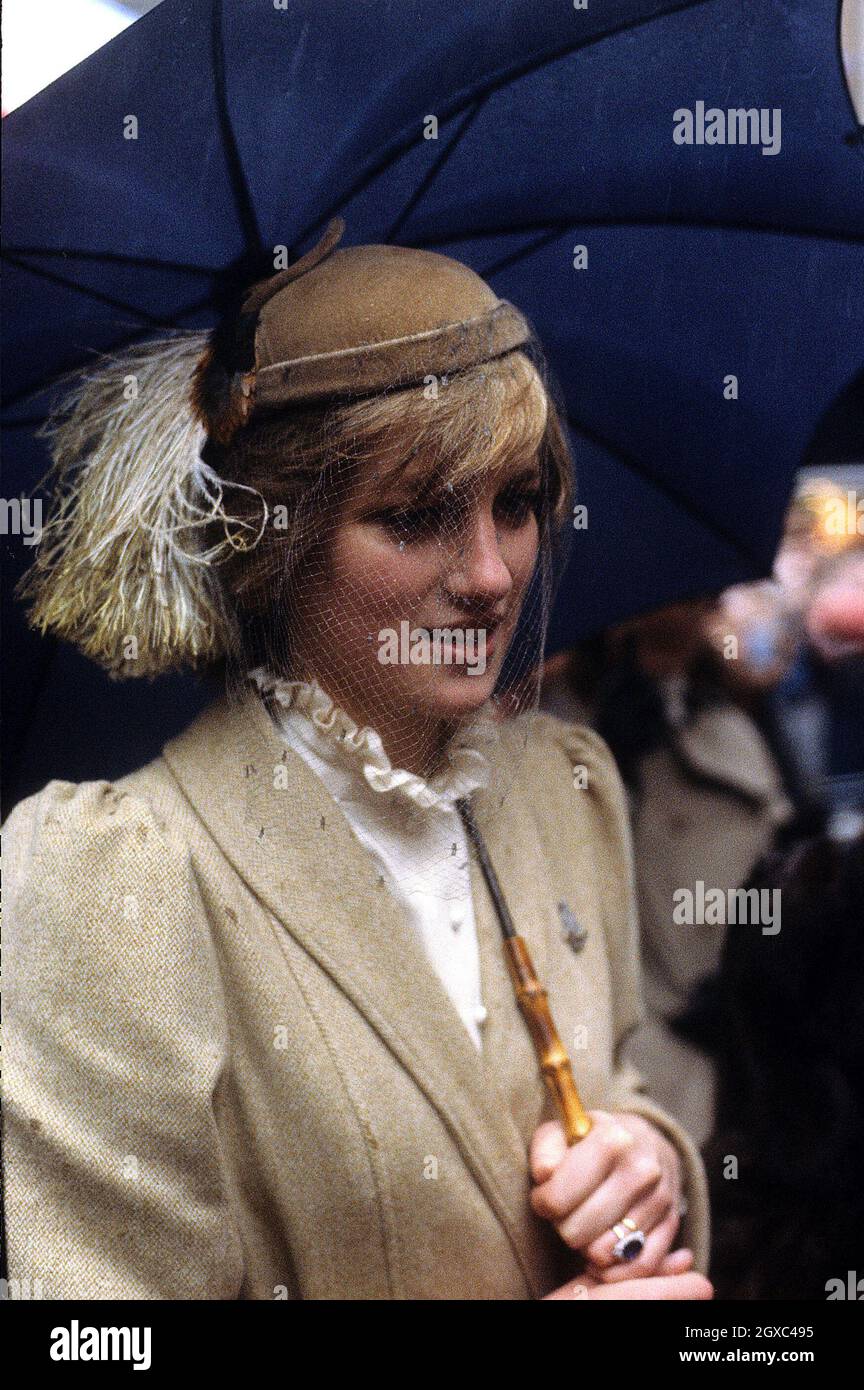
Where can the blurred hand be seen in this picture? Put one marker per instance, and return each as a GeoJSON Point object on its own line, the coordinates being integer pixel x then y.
{"type": "Point", "coordinates": [672, 1286]}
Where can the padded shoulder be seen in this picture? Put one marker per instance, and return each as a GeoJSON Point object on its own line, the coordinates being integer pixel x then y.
{"type": "Point", "coordinates": [569, 771]}
{"type": "Point", "coordinates": [115, 1035]}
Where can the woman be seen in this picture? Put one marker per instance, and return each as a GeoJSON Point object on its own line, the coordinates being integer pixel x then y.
{"type": "Point", "coordinates": [261, 1040]}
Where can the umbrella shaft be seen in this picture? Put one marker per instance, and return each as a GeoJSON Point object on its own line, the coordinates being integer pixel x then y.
{"type": "Point", "coordinates": [554, 1061]}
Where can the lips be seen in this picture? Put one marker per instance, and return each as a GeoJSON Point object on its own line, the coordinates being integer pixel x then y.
{"type": "Point", "coordinates": [489, 627]}
{"type": "Point", "coordinates": [460, 624]}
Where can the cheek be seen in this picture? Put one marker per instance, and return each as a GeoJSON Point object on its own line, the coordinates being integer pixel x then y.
{"type": "Point", "coordinates": [519, 551]}
{"type": "Point", "coordinates": [373, 576]}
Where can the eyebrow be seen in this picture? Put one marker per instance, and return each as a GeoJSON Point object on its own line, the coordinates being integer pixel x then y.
{"type": "Point", "coordinates": [395, 496]}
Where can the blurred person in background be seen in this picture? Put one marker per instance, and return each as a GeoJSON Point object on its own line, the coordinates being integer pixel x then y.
{"type": "Point", "coordinates": [706, 799]}
{"type": "Point", "coordinates": [834, 623]}
{"type": "Point", "coordinates": [738, 727]}
{"type": "Point", "coordinates": [787, 1154]}
{"type": "Point", "coordinates": [802, 671]}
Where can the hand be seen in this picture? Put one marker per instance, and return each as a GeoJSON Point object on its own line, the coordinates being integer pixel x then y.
{"type": "Point", "coordinates": [623, 1167]}
{"type": "Point", "coordinates": [679, 1286]}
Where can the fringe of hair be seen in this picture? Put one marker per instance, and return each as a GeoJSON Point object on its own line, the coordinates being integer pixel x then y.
{"type": "Point", "coordinates": [142, 566]}
{"type": "Point", "coordinates": [125, 567]}
{"type": "Point", "coordinates": [481, 420]}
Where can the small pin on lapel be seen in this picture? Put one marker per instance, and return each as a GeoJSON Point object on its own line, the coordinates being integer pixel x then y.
{"type": "Point", "coordinates": [573, 932]}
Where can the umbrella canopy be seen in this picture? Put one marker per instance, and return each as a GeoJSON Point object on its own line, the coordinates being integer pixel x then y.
{"type": "Point", "coordinates": [699, 299]}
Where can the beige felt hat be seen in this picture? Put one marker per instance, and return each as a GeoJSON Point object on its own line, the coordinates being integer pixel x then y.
{"type": "Point", "coordinates": [349, 322]}
{"type": "Point", "coordinates": [130, 546]}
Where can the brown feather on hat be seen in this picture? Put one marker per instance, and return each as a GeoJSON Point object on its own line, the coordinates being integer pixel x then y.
{"type": "Point", "coordinates": [224, 381]}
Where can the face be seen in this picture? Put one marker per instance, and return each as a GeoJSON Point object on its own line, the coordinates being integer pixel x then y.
{"type": "Point", "coordinates": [398, 566]}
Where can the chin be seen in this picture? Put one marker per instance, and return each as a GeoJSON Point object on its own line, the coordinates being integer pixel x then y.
{"type": "Point", "coordinates": [454, 693]}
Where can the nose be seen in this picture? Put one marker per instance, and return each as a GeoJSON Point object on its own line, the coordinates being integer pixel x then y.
{"type": "Point", "coordinates": [477, 572]}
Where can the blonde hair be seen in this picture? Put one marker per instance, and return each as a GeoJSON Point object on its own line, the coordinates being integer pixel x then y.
{"type": "Point", "coordinates": [480, 421]}
{"type": "Point", "coordinates": [162, 544]}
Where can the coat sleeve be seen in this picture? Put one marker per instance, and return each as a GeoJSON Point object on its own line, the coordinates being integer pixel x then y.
{"type": "Point", "coordinates": [115, 1040]}
{"type": "Point", "coordinates": [609, 831]}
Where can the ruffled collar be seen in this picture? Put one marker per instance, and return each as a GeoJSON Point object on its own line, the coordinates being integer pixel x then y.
{"type": "Point", "coordinates": [339, 738]}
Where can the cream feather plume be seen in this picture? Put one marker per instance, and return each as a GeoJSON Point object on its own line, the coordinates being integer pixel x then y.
{"type": "Point", "coordinates": [124, 569]}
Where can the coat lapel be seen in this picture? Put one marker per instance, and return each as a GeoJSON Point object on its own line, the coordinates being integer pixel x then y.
{"type": "Point", "coordinates": [285, 836]}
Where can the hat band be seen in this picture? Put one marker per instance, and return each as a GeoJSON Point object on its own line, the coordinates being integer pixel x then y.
{"type": "Point", "coordinates": [395, 362]}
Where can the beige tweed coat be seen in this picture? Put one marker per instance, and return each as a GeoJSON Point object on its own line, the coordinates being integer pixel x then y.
{"type": "Point", "coordinates": [231, 1072]}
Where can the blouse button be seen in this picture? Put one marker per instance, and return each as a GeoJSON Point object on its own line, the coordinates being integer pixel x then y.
{"type": "Point", "coordinates": [457, 918]}
{"type": "Point", "coordinates": [480, 1014]}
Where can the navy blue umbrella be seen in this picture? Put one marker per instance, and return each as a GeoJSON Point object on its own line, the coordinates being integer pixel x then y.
{"type": "Point", "coordinates": [699, 299]}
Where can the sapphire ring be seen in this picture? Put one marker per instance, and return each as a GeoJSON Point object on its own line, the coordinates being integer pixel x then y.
{"type": "Point", "coordinates": [630, 1240]}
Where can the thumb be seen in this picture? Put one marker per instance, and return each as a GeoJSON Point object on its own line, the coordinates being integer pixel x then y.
{"type": "Point", "coordinates": [548, 1147]}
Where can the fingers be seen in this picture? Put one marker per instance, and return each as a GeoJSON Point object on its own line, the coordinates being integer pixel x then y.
{"type": "Point", "coordinates": [671, 1287]}
{"type": "Point", "coordinates": [581, 1168]}
{"type": "Point", "coordinates": [687, 1287]}
{"type": "Point", "coordinates": [548, 1147]}
{"type": "Point", "coordinates": [677, 1262]}
{"type": "Point", "coordinates": [622, 1167]}
{"type": "Point", "coordinates": [657, 1216]}
{"type": "Point", "coordinates": [591, 1223]}
{"type": "Point", "coordinates": [657, 1246]}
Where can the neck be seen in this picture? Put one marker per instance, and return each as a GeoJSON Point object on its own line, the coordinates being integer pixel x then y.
{"type": "Point", "coordinates": [412, 740]}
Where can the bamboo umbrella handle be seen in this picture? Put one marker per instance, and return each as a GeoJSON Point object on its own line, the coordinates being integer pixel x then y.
{"type": "Point", "coordinates": [532, 998]}
{"type": "Point", "coordinates": [554, 1061]}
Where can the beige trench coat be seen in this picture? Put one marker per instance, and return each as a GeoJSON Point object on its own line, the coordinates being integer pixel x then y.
{"type": "Point", "coordinates": [230, 1070]}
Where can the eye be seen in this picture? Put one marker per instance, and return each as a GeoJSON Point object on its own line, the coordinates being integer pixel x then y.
{"type": "Point", "coordinates": [410, 523]}
{"type": "Point", "coordinates": [518, 502]}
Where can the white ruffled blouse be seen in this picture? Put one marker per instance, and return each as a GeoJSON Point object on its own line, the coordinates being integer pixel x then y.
{"type": "Point", "coordinates": [408, 823]}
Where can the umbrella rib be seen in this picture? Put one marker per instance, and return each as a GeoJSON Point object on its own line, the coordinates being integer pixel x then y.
{"type": "Point", "coordinates": [707, 224]}
{"type": "Point", "coordinates": [79, 362]}
{"type": "Point", "coordinates": [107, 258]}
{"type": "Point", "coordinates": [522, 253]}
{"type": "Point", "coordinates": [434, 170]}
{"type": "Point", "coordinates": [88, 292]}
{"type": "Point", "coordinates": [557, 229]}
{"type": "Point", "coordinates": [510, 74]}
{"type": "Point", "coordinates": [236, 173]}
{"type": "Point", "coordinates": [686, 504]}
{"type": "Point", "coordinates": [244, 206]}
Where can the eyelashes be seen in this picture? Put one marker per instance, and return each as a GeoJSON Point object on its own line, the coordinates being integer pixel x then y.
{"type": "Point", "coordinates": [520, 502]}
{"type": "Point", "coordinates": [514, 506]}
{"type": "Point", "coordinates": [411, 522]}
